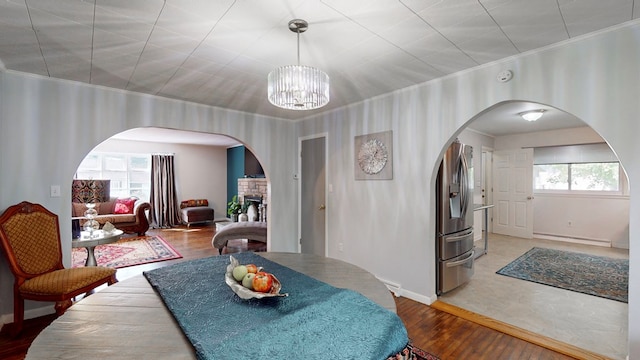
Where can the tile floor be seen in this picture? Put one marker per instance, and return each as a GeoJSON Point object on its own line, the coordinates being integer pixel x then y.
{"type": "Point", "coordinates": [586, 321]}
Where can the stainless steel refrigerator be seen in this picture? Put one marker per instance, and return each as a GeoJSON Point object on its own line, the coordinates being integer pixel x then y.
{"type": "Point", "coordinates": [454, 230]}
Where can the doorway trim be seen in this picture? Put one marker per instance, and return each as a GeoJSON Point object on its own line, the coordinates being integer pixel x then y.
{"type": "Point", "coordinates": [298, 175]}
{"type": "Point", "coordinates": [487, 182]}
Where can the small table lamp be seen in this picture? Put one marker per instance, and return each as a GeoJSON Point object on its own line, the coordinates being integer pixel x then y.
{"type": "Point", "coordinates": [90, 192]}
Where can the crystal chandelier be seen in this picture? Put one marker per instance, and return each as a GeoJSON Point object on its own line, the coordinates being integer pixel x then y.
{"type": "Point", "coordinates": [298, 87]}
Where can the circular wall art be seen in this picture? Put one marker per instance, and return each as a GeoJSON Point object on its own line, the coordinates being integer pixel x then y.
{"type": "Point", "coordinates": [373, 156]}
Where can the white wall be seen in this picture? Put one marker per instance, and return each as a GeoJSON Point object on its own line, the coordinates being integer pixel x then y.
{"type": "Point", "coordinates": [581, 135]}
{"type": "Point", "coordinates": [604, 217]}
{"type": "Point", "coordinates": [600, 218]}
{"type": "Point", "coordinates": [387, 227]}
{"type": "Point", "coordinates": [201, 171]}
{"type": "Point", "coordinates": [47, 126]}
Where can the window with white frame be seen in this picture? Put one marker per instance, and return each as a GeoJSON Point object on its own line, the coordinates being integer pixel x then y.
{"type": "Point", "coordinates": [590, 168]}
{"type": "Point", "coordinates": [130, 174]}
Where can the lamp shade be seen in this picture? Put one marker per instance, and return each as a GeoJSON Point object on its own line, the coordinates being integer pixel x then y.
{"type": "Point", "coordinates": [90, 191]}
{"type": "Point", "coordinates": [298, 87]}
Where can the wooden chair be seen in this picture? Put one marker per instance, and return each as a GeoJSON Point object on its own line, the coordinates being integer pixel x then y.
{"type": "Point", "coordinates": [30, 237]}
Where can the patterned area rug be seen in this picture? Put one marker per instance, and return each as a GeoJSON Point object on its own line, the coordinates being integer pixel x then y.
{"type": "Point", "coordinates": [128, 252]}
{"type": "Point", "coordinates": [413, 353]}
{"type": "Point", "coordinates": [588, 274]}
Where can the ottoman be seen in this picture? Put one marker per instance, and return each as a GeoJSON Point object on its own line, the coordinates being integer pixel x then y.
{"type": "Point", "coordinates": [196, 214]}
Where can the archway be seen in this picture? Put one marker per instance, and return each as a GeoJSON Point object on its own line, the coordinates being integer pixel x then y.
{"type": "Point", "coordinates": [500, 301]}
{"type": "Point", "coordinates": [201, 163]}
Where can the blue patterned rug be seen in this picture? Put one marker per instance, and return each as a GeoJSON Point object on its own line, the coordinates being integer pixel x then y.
{"type": "Point", "coordinates": [588, 274]}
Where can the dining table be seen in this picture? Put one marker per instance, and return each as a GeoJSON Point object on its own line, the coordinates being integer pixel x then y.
{"type": "Point", "coordinates": [129, 320]}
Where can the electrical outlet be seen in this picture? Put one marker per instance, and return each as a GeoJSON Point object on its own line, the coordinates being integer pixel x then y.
{"type": "Point", "coordinates": [569, 223]}
{"type": "Point", "coordinates": [340, 247]}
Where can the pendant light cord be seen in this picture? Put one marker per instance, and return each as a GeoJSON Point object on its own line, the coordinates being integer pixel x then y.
{"type": "Point", "coordinates": [298, 32]}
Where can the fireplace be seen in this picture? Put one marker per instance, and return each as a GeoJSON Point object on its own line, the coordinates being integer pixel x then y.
{"type": "Point", "coordinates": [254, 191]}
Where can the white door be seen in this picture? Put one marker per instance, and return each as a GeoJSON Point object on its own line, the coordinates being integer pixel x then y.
{"type": "Point", "coordinates": [513, 192]}
{"type": "Point", "coordinates": [312, 196]}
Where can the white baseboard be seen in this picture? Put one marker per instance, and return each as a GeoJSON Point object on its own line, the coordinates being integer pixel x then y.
{"type": "Point", "coordinates": [427, 300]}
{"type": "Point", "coordinates": [585, 241]}
{"type": "Point", "coordinates": [395, 288]}
{"type": "Point", "coordinates": [398, 291]}
{"type": "Point", "coordinates": [29, 314]}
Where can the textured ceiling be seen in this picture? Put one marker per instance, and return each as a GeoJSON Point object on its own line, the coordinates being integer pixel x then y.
{"type": "Point", "coordinates": [220, 52]}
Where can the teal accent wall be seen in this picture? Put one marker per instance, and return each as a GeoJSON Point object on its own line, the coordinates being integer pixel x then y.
{"type": "Point", "coordinates": [235, 170]}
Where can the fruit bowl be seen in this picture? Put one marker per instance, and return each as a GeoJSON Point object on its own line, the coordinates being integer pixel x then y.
{"type": "Point", "coordinates": [245, 293]}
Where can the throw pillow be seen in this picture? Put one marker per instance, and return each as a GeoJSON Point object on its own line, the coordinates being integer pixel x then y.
{"type": "Point", "coordinates": [78, 209]}
{"type": "Point", "coordinates": [193, 203]}
{"type": "Point", "coordinates": [107, 208]}
{"type": "Point", "coordinates": [124, 206]}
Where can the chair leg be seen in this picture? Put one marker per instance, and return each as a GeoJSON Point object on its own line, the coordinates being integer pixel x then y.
{"type": "Point", "coordinates": [62, 306]}
{"type": "Point", "coordinates": [113, 280]}
{"type": "Point", "coordinates": [18, 315]}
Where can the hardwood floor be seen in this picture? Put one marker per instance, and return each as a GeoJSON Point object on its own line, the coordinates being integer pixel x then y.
{"type": "Point", "coordinates": [442, 334]}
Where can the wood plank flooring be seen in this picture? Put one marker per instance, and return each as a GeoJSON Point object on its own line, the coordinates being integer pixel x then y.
{"type": "Point", "coordinates": [442, 334]}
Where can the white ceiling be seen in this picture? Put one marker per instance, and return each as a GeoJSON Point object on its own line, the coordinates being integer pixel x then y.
{"type": "Point", "coordinates": [220, 52]}
{"type": "Point", "coordinates": [172, 136]}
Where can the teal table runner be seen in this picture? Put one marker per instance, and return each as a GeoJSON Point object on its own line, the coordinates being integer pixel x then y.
{"type": "Point", "coordinates": [316, 320]}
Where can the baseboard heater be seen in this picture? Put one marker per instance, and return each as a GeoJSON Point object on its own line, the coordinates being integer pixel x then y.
{"type": "Point", "coordinates": [573, 239]}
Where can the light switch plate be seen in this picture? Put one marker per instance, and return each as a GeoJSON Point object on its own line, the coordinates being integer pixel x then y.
{"type": "Point", "coordinates": [55, 190]}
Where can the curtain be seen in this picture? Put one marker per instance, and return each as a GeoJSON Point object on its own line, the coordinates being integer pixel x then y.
{"type": "Point", "coordinates": [165, 210]}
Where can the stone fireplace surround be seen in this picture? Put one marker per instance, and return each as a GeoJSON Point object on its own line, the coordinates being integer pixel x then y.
{"type": "Point", "coordinates": [253, 188]}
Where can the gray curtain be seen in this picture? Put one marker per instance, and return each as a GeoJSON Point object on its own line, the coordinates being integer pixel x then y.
{"type": "Point", "coordinates": [165, 209]}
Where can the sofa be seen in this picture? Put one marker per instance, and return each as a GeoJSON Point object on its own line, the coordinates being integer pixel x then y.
{"type": "Point", "coordinates": [251, 230]}
{"type": "Point", "coordinates": [126, 214]}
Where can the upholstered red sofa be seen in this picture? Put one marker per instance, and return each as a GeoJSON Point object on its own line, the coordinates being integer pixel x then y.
{"type": "Point", "coordinates": [129, 215]}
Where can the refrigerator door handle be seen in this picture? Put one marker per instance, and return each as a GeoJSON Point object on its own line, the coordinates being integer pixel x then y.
{"type": "Point", "coordinates": [464, 182]}
{"type": "Point", "coordinates": [451, 239]}
{"type": "Point", "coordinates": [461, 262]}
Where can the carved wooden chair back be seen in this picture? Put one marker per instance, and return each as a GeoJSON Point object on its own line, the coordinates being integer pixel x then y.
{"type": "Point", "coordinates": [30, 238]}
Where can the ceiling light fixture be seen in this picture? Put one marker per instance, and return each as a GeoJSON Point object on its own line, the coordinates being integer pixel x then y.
{"type": "Point", "coordinates": [532, 115]}
{"type": "Point", "coordinates": [298, 87]}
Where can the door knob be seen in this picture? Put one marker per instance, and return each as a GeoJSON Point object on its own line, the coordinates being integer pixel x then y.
{"type": "Point", "coordinates": [322, 207]}
{"type": "Point", "coordinates": [529, 197]}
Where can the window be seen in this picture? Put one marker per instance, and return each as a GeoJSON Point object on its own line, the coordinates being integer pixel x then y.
{"type": "Point", "coordinates": [587, 168]}
{"type": "Point", "coordinates": [130, 174]}
{"type": "Point", "coordinates": [577, 177]}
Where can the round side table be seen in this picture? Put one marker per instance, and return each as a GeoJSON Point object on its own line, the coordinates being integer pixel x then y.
{"type": "Point", "coordinates": [99, 237]}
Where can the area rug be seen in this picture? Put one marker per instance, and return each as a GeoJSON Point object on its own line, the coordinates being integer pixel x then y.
{"type": "Point", "coordinates": [588, 274]}
{"type": "Point", "coordinates": [129, 252]}
{"type": "Point", "coordinates": [413, 352]}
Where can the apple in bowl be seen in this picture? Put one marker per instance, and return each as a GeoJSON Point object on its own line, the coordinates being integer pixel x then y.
{"type": "Point", "coordinates": [239, 272]}
{"type": "Point", "coordinates": [252, 268]}
{"type": "Point", "coordinates": [243, 287]}
{"type": "Point", "coordinates": [247, 281]}
{"type": "Point", "coordinates": [262, 282]}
